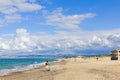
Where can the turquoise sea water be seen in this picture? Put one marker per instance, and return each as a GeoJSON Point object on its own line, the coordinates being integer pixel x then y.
{"type": "Point", "coordinates": [21, 64]}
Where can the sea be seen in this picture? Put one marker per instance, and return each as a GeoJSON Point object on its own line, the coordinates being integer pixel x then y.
{"type": "Point", "coordinates": [9, 65]}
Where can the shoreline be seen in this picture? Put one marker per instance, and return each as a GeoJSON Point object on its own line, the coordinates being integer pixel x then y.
{"type": "Point", "coordinates": [21, 69]}
{"type": "Point", "coordinates": [88, 68]}
{"type": "Point", "coordinates": [36, 73]}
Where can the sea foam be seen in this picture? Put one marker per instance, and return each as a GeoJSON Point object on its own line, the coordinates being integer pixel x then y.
{"type": "Point", "coordinates": [20, 68]}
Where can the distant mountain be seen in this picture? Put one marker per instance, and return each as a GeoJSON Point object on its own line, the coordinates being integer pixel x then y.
{"type": "Point", "coordinates": [58, 53]}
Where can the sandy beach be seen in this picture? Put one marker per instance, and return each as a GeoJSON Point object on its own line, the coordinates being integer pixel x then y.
{"type": "Point", "coordinates": [72, 69]}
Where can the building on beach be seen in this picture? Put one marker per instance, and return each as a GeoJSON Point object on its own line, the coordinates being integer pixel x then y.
{"type": "Point", "coordinates": [115, 54]}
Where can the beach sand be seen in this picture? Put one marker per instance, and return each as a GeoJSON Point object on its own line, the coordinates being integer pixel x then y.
{"type": "Point", "coordinates": [72, 69]}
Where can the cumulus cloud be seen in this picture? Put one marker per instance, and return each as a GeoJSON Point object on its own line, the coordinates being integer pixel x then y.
{"type": "Point", "coordinates": [23, 41]}
{"type": "Point", "coordinates": [59, 20]}
{"type": "Point", "coordinates": [115, 40]}
{"type": "Point", "coordinates": [14, 8]}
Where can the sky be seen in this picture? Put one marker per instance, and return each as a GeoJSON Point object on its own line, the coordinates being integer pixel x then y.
{"type": "Point", "coordinates": [64, 26]}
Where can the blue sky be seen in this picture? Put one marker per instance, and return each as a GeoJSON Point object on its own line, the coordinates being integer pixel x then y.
{"type": "Point", "coordinates": [107, 15]}
{"type": "Point", "coordinates": [63, 24]}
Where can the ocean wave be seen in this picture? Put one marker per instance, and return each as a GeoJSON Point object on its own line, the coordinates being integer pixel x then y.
{"type": "Point", "coordinates": [20, 68]}
{"type": "Point", "coordinates": [23, 68]}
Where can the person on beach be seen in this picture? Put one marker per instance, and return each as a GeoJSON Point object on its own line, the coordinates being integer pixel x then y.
{"type": "Point", "coordinates": [97, 58]}
{"type": "Point", "coordinates": [47, 66]}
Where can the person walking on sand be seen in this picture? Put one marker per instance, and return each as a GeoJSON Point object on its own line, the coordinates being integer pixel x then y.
{"type": "Point", "coordinates": [97, 58]}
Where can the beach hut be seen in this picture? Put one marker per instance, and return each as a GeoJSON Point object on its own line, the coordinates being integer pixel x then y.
{"type": "Point", "coordinates": [115, 54]}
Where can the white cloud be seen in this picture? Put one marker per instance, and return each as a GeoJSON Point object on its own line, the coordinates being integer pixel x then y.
{"type": "Point", "coordinates": [29, 7]}
{"type": "Point", "coordinates": [115, 39]}
{"type": "Point", "coordinates": [14, 8]}
{"type": "Point", "coordinates": [22, 41]}
{"type": "Point", "coordinates": [63, 41]}
{"type": "Point", "coordinates": [59, 20]}
{"type": "Point", "coordinates": [10, 19]}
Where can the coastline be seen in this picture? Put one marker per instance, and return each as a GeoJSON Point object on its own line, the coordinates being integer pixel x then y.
{"type": "Point", "coordinates": [38, 72]}
{"type": "Point", "coordinates": [29, 64]}
{"type": "Point", "coordinates": [72, 69]}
